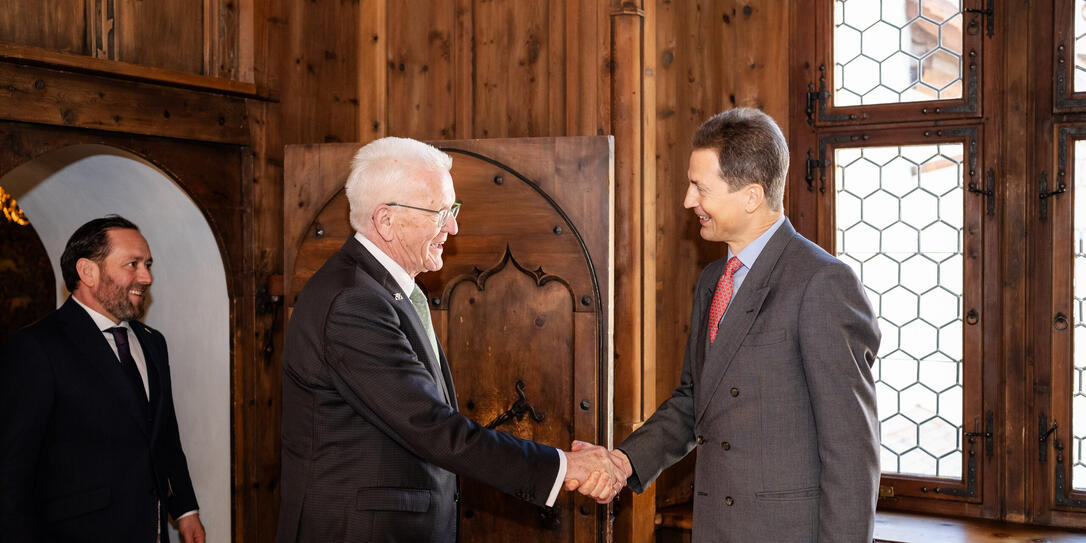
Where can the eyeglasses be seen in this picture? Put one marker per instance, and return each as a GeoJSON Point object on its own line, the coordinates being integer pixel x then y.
{"type": "Point", "coordinates": [443, 215]}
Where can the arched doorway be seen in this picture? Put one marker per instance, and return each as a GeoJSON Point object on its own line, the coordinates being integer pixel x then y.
{"type": "Point", "coordinates": [190, 304]}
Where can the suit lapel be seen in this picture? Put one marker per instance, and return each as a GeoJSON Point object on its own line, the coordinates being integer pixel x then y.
{"type": "Point", "coordinates": [369, 265]}
{"type": "Point", "coordinates": [740, 316]}
{"type": "Point", "coordinates": [87, 338]}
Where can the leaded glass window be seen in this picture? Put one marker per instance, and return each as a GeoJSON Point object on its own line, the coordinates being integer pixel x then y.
{"type": "Point", "coordinates": [894, 51]}
{"type": "Point", "coordinates": [899, 217]}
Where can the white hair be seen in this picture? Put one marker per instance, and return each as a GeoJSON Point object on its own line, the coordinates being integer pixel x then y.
{"type": "Point", "coordinates": [381, 168]}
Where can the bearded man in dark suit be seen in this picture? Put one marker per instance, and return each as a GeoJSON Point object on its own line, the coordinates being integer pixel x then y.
{"type": "Point", "coordinates": [89, 444]}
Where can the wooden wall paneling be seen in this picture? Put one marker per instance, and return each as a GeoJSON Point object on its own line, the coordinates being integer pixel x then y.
{"type": "Point", "coordinates": [57, 25]}
{"type": "Point", "coordinates": [41, 95]}
{"type": "Point", "coordinates": [422, 77]}
{"type": "Point", "coordinates": [222, 38]}
{"type": "Point", "coordinates": [512, 79]}
{"type": "Point", "coordinates": [464, 66]}
{"type": "Point", "coordinates": [165, 34]}
{"type": "Point", "coordinates": [373, 40]}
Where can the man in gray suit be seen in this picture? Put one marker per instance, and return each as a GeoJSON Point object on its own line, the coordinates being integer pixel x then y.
{"type": "Point", "coordinates": [373, 443]}
{"type": "Point", "coordinates": [776, 391]}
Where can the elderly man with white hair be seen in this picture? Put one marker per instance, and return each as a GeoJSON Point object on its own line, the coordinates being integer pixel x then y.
{"type": "Point", "coordinates": [373, 443]}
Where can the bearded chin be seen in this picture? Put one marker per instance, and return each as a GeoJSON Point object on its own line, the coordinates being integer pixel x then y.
{"type": "Point", "coordinates": [114, 298]}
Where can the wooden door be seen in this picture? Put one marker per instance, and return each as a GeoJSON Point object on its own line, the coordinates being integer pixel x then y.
{"type": "Point", "coordinates": [522, 305]}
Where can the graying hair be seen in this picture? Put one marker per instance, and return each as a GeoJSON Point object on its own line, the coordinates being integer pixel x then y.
{"type": "Point", "coordinates": [751, 149]}
{"type": "Point", "coordinates": [381, 168]}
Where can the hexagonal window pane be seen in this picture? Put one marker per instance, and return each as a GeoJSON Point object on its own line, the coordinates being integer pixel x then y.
{"type": "Point", "coordinates": [861, 238]}
{"type": "Point", "coordinates": [880, 209]}
{"type": "Point", "coordinates": [919, 273]}
{"type": "Point", "coordinates": [898, 13]}
{"type": "Point", "coordinates": [918, 462]}
{"type": "Point", "coordinates": [860, 178]}
{"type": "Point", "coordinates": [920, 208]}
{"type": "Point", "coordinates": [938, 437]}
{"type": "Point", "coordinates": [899, 306]}
{"type": "Point", "coordinates": [897, 373]}
{"type": "Point", "coordinates": [880, 41]}
{"type": "Point", "coordinates": [939, 238]}
{"type": "Point", "coordinates": [860, 75]}
{"type": "Point", "coordinates": [899, 241]}
{"type": "Point", "coordinates": [898, 434]}
{"type": "Point", "coordinates": [938, 307]}
{"type": "Point", "coordinates": [900, 72]}
{"type": "Point", "coordinates": [938, 376]}
{"type": "Point", "coordinates": [860, 14]}
{"type": "Point", "coordinates": [920, 38]}
{"type": "Point", "coordinates": [919, 339]}
{"type": "Point", "coordinates": [879, 273]}
{"type": "Point", "coordinates": [940, 69]}
{"type": "Point", "coordinates": [846, 44]}
{"type": "Point", "coordinates": [918, 403]}
{"type": "Point", "coordinates": [899, 177]}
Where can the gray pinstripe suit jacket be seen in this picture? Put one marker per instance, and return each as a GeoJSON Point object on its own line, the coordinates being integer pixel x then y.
{"type": "Point", "coordinates": [781, 406]}
{"type": "Point", "coordinates": [371, 447]}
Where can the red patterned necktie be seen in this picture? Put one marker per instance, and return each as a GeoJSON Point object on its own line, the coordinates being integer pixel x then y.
{"type": "Point", "coordinates": [722, 296]}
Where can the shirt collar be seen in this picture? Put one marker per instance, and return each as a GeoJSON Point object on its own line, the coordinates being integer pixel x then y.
{"type": "Point", "coordinates": [750, 253]}
{"type": "Point", "coordinates": [402, 278]}
{"type": "Point", "coordinates": [101, 321]}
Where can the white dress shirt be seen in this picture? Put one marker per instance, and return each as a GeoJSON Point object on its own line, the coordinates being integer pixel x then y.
{"type": "Point", "coordinates": [407, 285]}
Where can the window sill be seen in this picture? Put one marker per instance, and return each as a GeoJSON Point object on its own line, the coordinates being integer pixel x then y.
{"type": "Point", "coordinates": [898, 527]}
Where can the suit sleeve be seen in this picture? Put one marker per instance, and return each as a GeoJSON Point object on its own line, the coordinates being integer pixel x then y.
{"type": "Point", "coordinates": [668, 435]}
{"type": "Point", "coordinates": [375, 369]}
{"type": "Point", "coordinates": [26, 398]}
{"type": "Point", "coordinates": [839, 339]}
{"type": "Point", "coordinates": [182, 497]}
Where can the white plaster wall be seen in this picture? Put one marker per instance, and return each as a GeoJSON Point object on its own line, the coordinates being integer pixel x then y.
{"type": "Point", "coordinates": [189, 301]}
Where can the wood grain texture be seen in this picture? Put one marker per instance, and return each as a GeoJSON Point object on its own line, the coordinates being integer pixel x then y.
{"type": "Point", "coordinates": [58, 25]}
{"type": "Point", "coordinates": [164, 34]}
{"type": "Point", "coordinates": [40, 95]}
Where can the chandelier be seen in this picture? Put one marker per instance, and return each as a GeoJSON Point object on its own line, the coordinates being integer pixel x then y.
{"type": "Point", "coordinates": [11, 209]}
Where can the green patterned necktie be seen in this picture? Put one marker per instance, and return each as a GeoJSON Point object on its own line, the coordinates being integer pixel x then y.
{"type": "Point", "coordinates": [418, 299]}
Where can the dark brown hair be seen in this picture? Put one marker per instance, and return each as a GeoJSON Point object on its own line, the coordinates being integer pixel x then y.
{"type": "Point", "coordinates": [751, 149]}
{"type": "Point", "coordinates": [89, 241]}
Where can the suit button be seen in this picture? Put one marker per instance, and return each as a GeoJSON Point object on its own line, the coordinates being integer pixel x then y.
{"type": "Point", "coordinates": [701, 440]}
{"type": "Point", "coordinates": [726, 446]}
{"type": "Point", "coordinates": [728, 501]}
{"type": "Point", "coordinates": [735, 392]}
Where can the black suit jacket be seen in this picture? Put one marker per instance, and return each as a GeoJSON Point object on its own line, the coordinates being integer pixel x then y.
{"type": "Point", "coordinates": [82, 456]}
{"type": "Point", "coordinates": [372, 445]}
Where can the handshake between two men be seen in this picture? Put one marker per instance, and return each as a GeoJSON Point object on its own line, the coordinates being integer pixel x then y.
{"type": "Point", "coordinates": [596, 472]}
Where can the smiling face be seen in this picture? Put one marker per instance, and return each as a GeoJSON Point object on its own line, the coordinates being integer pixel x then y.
{"type": "Point", "coordinates": [121, 282]}
{"type": "Point", "coordinates": [723, 213]}
{"type": "Point", "coordinates": [414, 238]}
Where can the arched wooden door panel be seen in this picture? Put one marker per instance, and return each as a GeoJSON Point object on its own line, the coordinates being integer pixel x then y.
{"type": "Point", "coordinates": [521, 306]}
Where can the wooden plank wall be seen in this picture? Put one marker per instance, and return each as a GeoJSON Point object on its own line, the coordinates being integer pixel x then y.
{"type": "Point", "coordinates": [711, 56]}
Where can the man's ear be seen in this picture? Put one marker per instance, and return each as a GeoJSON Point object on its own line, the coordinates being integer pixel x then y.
{"type": "Point", "coordinates": [382, 222]}
{"type": "Point", "coordinates": [755, 196]}
{"type": "Point", "coordinates": [89, 272]}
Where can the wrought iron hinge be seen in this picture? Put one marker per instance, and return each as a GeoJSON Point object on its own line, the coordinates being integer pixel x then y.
{"type": "Point", "coordinates": [989, 14]}
{"type": "Point", "coordinates": [1045, 194]}
{"type": "Point", "coordinates": [1044, 431]}
{"type": "Point", "coordinates": [970, 490]}
{"type": "Point", "coordinates": [816, 101]}
{"type": "Point", "coordinates": [816, 164]}
{"type": "Point", "coordinates": [988, 192]}
{"type": "Point", "coordinates": [1061, 478]}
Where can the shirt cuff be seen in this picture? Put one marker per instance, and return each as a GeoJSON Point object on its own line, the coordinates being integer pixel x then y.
{"type": "Point", "coordinates": [559, 480]}
{"type": "Point", "coordinates": [193, 512]}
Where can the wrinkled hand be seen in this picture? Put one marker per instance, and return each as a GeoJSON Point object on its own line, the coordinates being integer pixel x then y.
{"type": "Point", "coordinates": [593, 471]}
{"type": "Point", "coordinates": [191, 529]}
